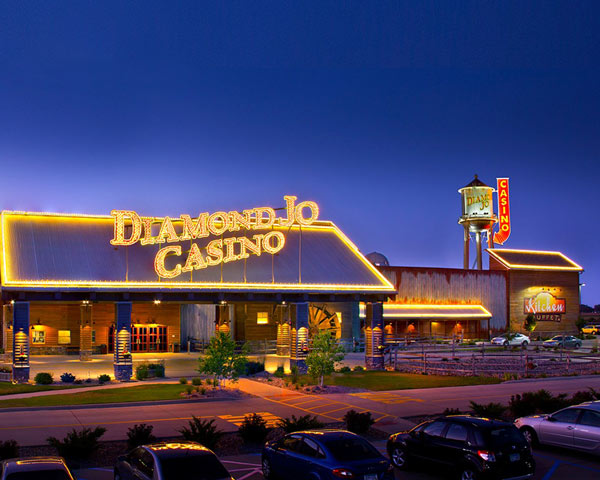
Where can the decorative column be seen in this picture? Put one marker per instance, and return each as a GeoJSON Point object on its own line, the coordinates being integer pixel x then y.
{"type": "Point", "coordinates": [122, 360]}
{"type": "Point", "coordinates": [299, 345]}
{"type": "Point", "coordinates": [85, 332]}
{"type": "Point", "coordinates": [374, 336]}
{"type": "Point", "coordinates": [7, 331]}
{"type": "Point", "coordinates": [283, 331]}
{"type": "Point", "coordinates": [20, 357]}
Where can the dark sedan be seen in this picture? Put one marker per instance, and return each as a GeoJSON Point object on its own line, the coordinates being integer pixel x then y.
{"type": "Point", "coordinates": [469, 447]}
{"type": "Point", "coordinates": [324, 455]}
{"type": "Point", "coordinates": [565, 341]}
{"type": "Point", "coordinates": [171, 461]}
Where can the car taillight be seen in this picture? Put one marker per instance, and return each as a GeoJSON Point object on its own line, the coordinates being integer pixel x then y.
{"type": "Point", "coordinates": [342, 473]}
{"type": "Point", "coordinates": [486, 455]}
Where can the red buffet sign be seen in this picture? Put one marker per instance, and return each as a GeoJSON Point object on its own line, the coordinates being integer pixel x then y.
{"type": "Point", "coordinates": [503, 212]}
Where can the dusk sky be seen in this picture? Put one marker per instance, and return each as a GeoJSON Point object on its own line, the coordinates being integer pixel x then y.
{"type": "Point", "coordinates": [379, 111]}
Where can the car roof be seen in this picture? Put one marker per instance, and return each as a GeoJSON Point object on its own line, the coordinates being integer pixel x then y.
{"type": "Point", "coordinates": [326, 433]}
{"type": "Point", "coordinates": [32, 464]}
{"type": "Point", "coordinates": [595, 405]}
{"type": "Point", "coordinates": [476, 421]}
{"type": "Point", "coordinates": [177, 449]}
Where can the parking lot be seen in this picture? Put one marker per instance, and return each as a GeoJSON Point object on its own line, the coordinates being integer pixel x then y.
{"type": "Point", "coordinates": [552, 464]}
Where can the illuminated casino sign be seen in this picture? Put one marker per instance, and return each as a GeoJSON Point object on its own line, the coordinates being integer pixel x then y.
{"type": "Point", "coordinates": [546, 307]}
{"type": "Point", "coordinates": [503, 212]}
{"type": "Point", "coordinates": [131, 228]}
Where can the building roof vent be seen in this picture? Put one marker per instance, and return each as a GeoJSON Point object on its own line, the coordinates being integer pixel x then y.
{"type": "Point", "coordinates": [378, 259]}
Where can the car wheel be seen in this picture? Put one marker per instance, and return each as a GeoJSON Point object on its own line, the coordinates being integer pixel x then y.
{"type": "Point", "coordinates": [398, 457]}
{"type": "Point", "coordinates": [578, 345]}
{"type": "Point", "coordinates": [267, 470]}
{"type": "Point", "coordinates": [525, 343]}
{"type": "Point", "coordinates": [468, 473]}
{"type": "Point", "coordinates": [530, 436]}
{"type": "Point", "coordinates": [505, 344]}
{"type": "Point", "coordinates": [117, 476]}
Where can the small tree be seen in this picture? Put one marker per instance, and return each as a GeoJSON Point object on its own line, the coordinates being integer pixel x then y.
{"type": "Point", "coordinates": [325, 353]}
{"type": "Point", "coordinates": [221, 360]}
{"type": "Point", "coordinates": [530, 323]}
{"type": "Point", "coordinates": [580, 323]}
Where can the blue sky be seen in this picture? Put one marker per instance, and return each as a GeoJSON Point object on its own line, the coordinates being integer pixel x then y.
{"type": "Point", "coordinates": [379, 111]}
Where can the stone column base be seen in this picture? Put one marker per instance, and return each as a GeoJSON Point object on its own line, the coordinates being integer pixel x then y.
{"type": "Point", "coordinates": [300, 363]}
{"type": "Point", "coordinates": [374, 363]}
{"type": "Point", "coordinates": [85, 355]}
{"type": "Point", "coordinates": [20, 374]}
{"type": "Point", "coordinates": [123, 373]}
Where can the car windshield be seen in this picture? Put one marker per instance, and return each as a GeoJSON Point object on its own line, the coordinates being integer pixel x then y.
{"type": "Point", "coordinates": [556, 338]}
{"type": "Point", "coordinates": [503, 436]}
{"type": "Point", "coordinates": [347, 449]}
{"type": "Point", "coordinates": [205, 467]}
{"type": "Point", "coordinates": [39, 474]}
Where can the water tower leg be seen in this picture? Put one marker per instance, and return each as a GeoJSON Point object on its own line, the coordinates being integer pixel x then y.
{"type": "Point", "coordinates": [479, 259]}
{"type": "Point", "coordinates": [466, 249]}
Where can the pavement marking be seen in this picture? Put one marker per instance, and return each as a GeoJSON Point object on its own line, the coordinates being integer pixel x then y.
{"type": "Point", "coordinates": [386, 397]}
{"type": "Point", "coordinates": [250, 468]}
{"type": "Point", "coordinates": [237, 420]}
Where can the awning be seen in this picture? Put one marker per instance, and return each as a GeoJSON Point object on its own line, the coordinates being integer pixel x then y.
{"type": "Point", "coordinates": [393, 311]}
{"type": "Point", "coordinates": [533, 260]}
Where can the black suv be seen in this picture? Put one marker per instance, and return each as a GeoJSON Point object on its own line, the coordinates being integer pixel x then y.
{"type": "Point", "coordinates": [473, 448]}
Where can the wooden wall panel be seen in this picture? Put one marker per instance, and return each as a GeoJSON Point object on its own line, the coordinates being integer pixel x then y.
{"type": "Point", "coordinates": [246, 327]}
{"type": "Point", "coordinates": [526, 283]}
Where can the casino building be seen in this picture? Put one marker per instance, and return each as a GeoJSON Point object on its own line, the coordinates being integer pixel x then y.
{"type": "Point", "coordinates": [124, 284]}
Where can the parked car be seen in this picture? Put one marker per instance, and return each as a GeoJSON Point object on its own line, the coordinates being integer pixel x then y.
{"type": "Point", "coordinates": [324, 455]}
{"type": "Point", "coordinates": [576, 427]}
{"type": "Point", "coordinates": [511, 339]}
{"type": "Point", "coordinates": [35, 468]}
{"type": "Point", "coordinates": [469, 447]}
{"type": "Point", "coordinates": [591, 329]}
{"type": "Point", "coordinates": [170, 461]}
{"type": "Point", "coordinates": [565, 341]}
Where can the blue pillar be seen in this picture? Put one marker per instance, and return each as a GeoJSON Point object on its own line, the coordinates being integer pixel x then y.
{"type": "Point", "coordinates": [374, 359]}
{"type": "Point", "coordinates": [122, 360]}
{"type": "Point", "coordinates": [299, 350]}
{"type": "Point", "coordinates": [20, 366]}
{"type": "Point", "coordinates": [356, 333]}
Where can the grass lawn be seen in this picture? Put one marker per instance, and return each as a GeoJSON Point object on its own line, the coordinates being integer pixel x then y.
{"type": "Point", "coordinates": [7, 388]}
{"type": "Point", "coordinates": [116, 395]}
{"type": "Point", "coordinates": [400, 381]}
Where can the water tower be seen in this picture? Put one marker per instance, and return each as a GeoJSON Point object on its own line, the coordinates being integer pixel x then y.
{"type": "Point", "coordinates": [477, 216]}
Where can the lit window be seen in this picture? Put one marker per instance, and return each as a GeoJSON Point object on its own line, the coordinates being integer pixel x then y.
{"type": "Point", "coordinates": [262, 318]}
{"type": "Point", "coordinates": [39, 336]}
{"type": "Point", "coordinates": [64, 337]}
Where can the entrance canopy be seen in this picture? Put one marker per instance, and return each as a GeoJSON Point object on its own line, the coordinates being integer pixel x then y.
{"type": "Point", "coordinates": [394, 311]}
{"type": "Point", "coordinates": [44, 252]}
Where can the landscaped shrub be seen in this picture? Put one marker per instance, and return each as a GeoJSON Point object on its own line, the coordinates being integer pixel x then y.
{"type": "Point", "coordinates": [279, 372]}
{"type": "Point", "coordinates": [43, 378]}
{"type": "Point", "coordinates": [140, 434]}
{"type": "Point", "coordinates": [254, 367]}
{"type": "Point", "coordinates": [452, 411]}
{"type": "Point", "coordinates": [202, 431]}
{"type": "Point", "coordinates": [156, 370]}
{"type": "Point", "coordinates": [488, 410]}
{"type": "Point", "coordinates": [9, 449]}
{"type": "Point", "coordinates": [67, 378]}
{"type": "Point", "coordinates": [197, 381]}
{"type": "Point", "coordinates": [305, 422]}
{"type": "Point", "coordinates": [189, 389]}
{"type": "Point", "coordinates": [183, 381]}
{"type": "Point", "coordinates": [295, 374]}
{"type": "Point", "coordinates": [542, 401]}
{"type": "Point", "coordinates": [141, 372]}
{"type": "Point", "coordinates": [581, 396]}
{"type": "Point", "coordinates": [78, 445]}
{"type": "Point", "coordinates": [104, 378]}
{"type": "Point", "coordinates": [345, 369]}
{"type": "Point", "coordinates": [358, 422]}
{"type": "Point", "coordinates": [358, 368]}
{"type": "Point", "coordinates": [253, 429]}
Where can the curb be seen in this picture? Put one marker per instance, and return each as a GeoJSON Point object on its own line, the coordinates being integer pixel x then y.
{"type": "Point", "coordinates": [116, 405]}
{"type": "Point", "coordinates": [551, 379]}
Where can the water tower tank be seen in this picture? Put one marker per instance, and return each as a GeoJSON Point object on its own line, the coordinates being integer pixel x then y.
{"type": "Point", "coordinates": [477, 215]}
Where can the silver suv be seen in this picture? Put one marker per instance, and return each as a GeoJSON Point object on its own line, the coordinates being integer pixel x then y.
{"type": "Point", "coordinates": [576, 427]}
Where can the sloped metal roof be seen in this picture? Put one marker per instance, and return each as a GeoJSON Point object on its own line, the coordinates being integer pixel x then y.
{"type": "Point", "coordinates": [533, 260]}
{"type": "Point", "coordinates": [60, 251]}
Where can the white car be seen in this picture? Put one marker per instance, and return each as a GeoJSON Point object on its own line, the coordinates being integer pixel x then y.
{"type": "Point", "coordinates": [576, 427]}
{"type": "Point", "coordinates": [511, 340]}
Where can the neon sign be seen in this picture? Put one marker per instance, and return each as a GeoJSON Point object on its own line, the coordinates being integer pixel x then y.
{"type": "Point", "coordinates": [546, 306]}
{"type": "Point", "coordinates": [131, 228]}
{"type": "Point", "coordinates": [503, 212]}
